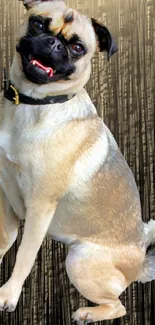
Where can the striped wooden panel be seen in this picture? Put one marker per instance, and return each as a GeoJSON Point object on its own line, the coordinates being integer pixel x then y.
{"type": "Point", "coordinates": [124, 93]}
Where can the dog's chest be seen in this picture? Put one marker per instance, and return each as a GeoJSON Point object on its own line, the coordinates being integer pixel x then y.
{"type": "Point", "coordinates": [11, 176]}
{"type": "Point", "coordinates": [23, 128]}
{"type": "Point", "coordinates": [19, 131]}
{"type": "Point", "coordinates": [13, 138]}
{"type": "Point", "coordinates": [25, 131]}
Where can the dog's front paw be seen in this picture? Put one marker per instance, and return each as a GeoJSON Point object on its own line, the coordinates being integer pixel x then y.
{"type": "Point", "coordinates": [83, 316]}
{"type": "Point", "coordinates": [9, 295]}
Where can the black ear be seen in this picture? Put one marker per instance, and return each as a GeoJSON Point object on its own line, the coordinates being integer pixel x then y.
{"type": "Point", "coordinates": [105, 40]}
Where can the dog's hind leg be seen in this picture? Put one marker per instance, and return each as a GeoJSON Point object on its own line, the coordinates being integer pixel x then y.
{"type": "Point", "coordinates": [149, 229]}
{"type": "Point", "coordinates": [95, 277]}
{"type": "Point", "coordinates": [8, 225]}
{"type": "Point", "coordinates": [112, 310]}
{"type": "Point", "coordinates": [147, 272]}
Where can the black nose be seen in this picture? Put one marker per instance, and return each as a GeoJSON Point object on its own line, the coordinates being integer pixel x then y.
{"type": "Point", "coordinates": [55, 44]}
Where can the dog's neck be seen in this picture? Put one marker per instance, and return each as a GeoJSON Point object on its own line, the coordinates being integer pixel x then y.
{"type": "Point", "coordinates": [50, 117]}
{"type": "Point", "coordinates": [27, 88]}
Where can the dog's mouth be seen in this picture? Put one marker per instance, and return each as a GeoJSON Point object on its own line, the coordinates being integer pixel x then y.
{"type": "Point", "coordinates": [43, 69]}
{"type": "Point", "coordinates": [40, 70]}
{"type": "Point", "coordinates": [50, 72]}
{"type": "Point", "coordinates": [43, 66]}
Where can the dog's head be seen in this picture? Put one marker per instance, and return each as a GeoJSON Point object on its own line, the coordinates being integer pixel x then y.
{"type": "Point", "coordinates": [55, 45]}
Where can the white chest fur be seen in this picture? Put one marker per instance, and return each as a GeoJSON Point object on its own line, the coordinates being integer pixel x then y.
{"type": "Point", "coordinates": [25, 128]}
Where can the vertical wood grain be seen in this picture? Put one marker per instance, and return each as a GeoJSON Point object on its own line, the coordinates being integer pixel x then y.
{"type": "Point", "coordinates": [124, 94]}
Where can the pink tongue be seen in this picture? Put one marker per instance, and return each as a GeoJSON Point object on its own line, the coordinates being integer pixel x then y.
{"type": "Point", "coordinates": [39, 65]}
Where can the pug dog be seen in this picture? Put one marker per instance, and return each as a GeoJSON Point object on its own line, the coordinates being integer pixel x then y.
{"type": "Point", "coordinates": [61, 169]}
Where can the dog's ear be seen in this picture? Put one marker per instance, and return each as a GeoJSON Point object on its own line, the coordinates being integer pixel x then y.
{"type": "Point", "coordinates": [104, 38]}
{"type": "Point", "coordinates": [30, 3]}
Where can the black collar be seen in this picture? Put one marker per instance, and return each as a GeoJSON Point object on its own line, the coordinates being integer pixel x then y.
{"type": "Point", "coordinates": [13, 95]}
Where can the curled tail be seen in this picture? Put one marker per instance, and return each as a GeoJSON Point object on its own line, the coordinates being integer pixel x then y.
{"type": "Point", "coordinates": [147, 273]}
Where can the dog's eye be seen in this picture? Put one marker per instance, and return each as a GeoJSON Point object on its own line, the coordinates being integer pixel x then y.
{"type": "Point", "coordinates": [37, 25]}
{"type": "Point", "coordinates": [77, 48]}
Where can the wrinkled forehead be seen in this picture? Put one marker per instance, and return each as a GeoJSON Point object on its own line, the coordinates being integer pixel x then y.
{"type": "Point", "coordinates": [66, 21]}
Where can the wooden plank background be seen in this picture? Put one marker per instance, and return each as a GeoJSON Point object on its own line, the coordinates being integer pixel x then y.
{"type": "Point", "coordinates": [124, 93]}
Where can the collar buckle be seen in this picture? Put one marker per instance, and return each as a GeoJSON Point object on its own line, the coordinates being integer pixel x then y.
{"type": "Point", "coordinates": [16, 98]}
